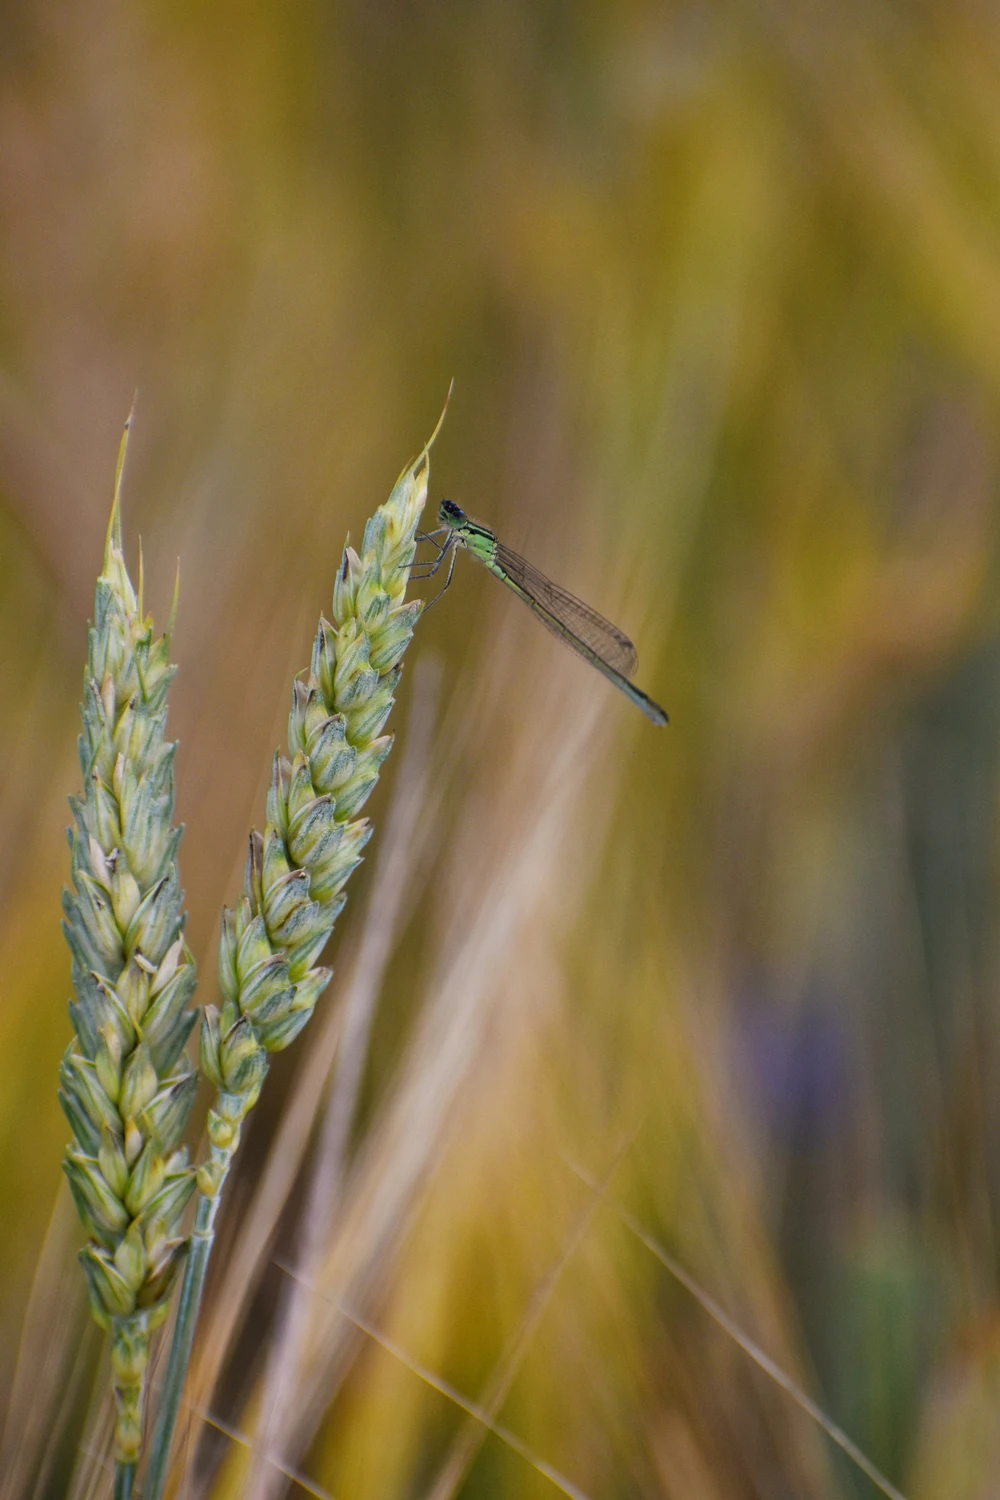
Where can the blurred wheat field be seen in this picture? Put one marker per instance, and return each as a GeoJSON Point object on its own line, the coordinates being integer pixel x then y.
{"type": "Point", "coordinates": [719, 287]}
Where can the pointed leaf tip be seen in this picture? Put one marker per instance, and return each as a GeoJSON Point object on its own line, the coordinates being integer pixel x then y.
{"type": "Point", "coordinates": [114, 537]}
{"type": "Point", "coordinates": [440, 423]}
{"type": "Point", "coordinates": [417, 466]}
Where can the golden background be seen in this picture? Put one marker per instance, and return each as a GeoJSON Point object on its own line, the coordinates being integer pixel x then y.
{"type": "Point", "coordinates": [719, 288]}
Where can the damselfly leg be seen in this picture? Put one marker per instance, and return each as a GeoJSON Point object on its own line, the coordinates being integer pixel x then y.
{"type": "Point", "coordinates": [429, 568]}
{"type": "Point", "coordinates": [432, 536]}
{"type": "Point", "coordinates": [420, 571]}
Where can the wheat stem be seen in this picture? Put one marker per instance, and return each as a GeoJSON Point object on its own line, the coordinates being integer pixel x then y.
{"type": "Point", "coordinates": [188, 1307]}
{"type": "Point", "coordinates": [298, 868]}
{"type": "Point", "coordinates": [124, 1481]}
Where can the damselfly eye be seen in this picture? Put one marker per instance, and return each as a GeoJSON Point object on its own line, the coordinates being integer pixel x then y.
{"type": "Point", "coordinates": [450, 512]}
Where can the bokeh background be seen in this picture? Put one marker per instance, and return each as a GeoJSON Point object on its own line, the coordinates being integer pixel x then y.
{"type": "Point", "coordinates": [719, 288]}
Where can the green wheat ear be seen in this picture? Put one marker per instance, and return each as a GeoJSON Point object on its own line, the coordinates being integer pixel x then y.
{"type": "Point", "coordinates": [297, 869]}
{"type": "Point", "coordinates": [126, 1088]}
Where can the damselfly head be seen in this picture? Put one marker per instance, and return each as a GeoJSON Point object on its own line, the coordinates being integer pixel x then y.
{"type": "Point", "coordinates": [450, 514]}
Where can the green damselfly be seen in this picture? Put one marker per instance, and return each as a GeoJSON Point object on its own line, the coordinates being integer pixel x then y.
{"type": "Point", "coordinates": [589, 634]}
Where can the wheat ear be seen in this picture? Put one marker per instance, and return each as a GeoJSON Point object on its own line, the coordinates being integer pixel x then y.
{"type": "Point", "coordinates": [126, 1089]}
{"type": "Point", "coordinates": [297, 869]}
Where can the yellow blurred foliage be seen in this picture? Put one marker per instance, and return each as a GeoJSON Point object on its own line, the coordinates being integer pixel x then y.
{"type": "Point", "coordinates": [719, 287]}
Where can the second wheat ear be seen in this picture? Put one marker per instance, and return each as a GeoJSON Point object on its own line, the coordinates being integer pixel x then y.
{"type": "Point", "coordinates": [298, 867]}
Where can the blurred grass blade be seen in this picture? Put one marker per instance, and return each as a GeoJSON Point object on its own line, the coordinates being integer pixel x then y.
{"type": "Point", "coordinates": [468, 1441]}
{"type": "Point", "coordinates": [235, 1436]}
{"type": "Point", "coordinates": [47, 1369]}
{"type": "Point", "coordinates": [706, 1301]}
{"type": "Point", "coordinates": [470, 1408]}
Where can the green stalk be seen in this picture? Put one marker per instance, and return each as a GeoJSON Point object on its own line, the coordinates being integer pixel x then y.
{"type": "Point", "coordinates": [188, 1308]}
{"type": "Point", "coordinates": [297, 869]}
{"type": "Point", "coordinates": [124, 1481]}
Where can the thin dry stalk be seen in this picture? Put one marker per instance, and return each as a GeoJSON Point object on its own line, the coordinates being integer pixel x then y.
{"type": "Point", "coordinates": [94, 1469]}
{"type": "Point", "coordinates": [477, 1413]}
{"type": "Point", "coordinates": [743, 1340]}
{"type": "Point", "coordinates": [51, 1337]}
{"type": "Point", "coordinates": [385, 1186]}
{"type": "Point", "coordinates": [389, 898]}
{"type": "Point", "coordinates": [470, 1439]}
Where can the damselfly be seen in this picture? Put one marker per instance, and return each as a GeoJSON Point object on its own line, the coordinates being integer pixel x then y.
{"type": "Point", "coordinates": [593, 637]}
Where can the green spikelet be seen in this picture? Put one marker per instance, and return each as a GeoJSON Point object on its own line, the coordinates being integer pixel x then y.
{"type": "Point", "coordinates": [126, 1088]}
{"type": "Point", "coordinates": [298, 868]}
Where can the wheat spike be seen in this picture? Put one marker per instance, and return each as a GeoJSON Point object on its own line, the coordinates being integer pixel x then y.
{"type": "Point", "coordinates": [298, 868]}
{"type": "Point", "coordinates": [313, 841]}
{"type": "Point", "coordinates": [126, 1088]}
